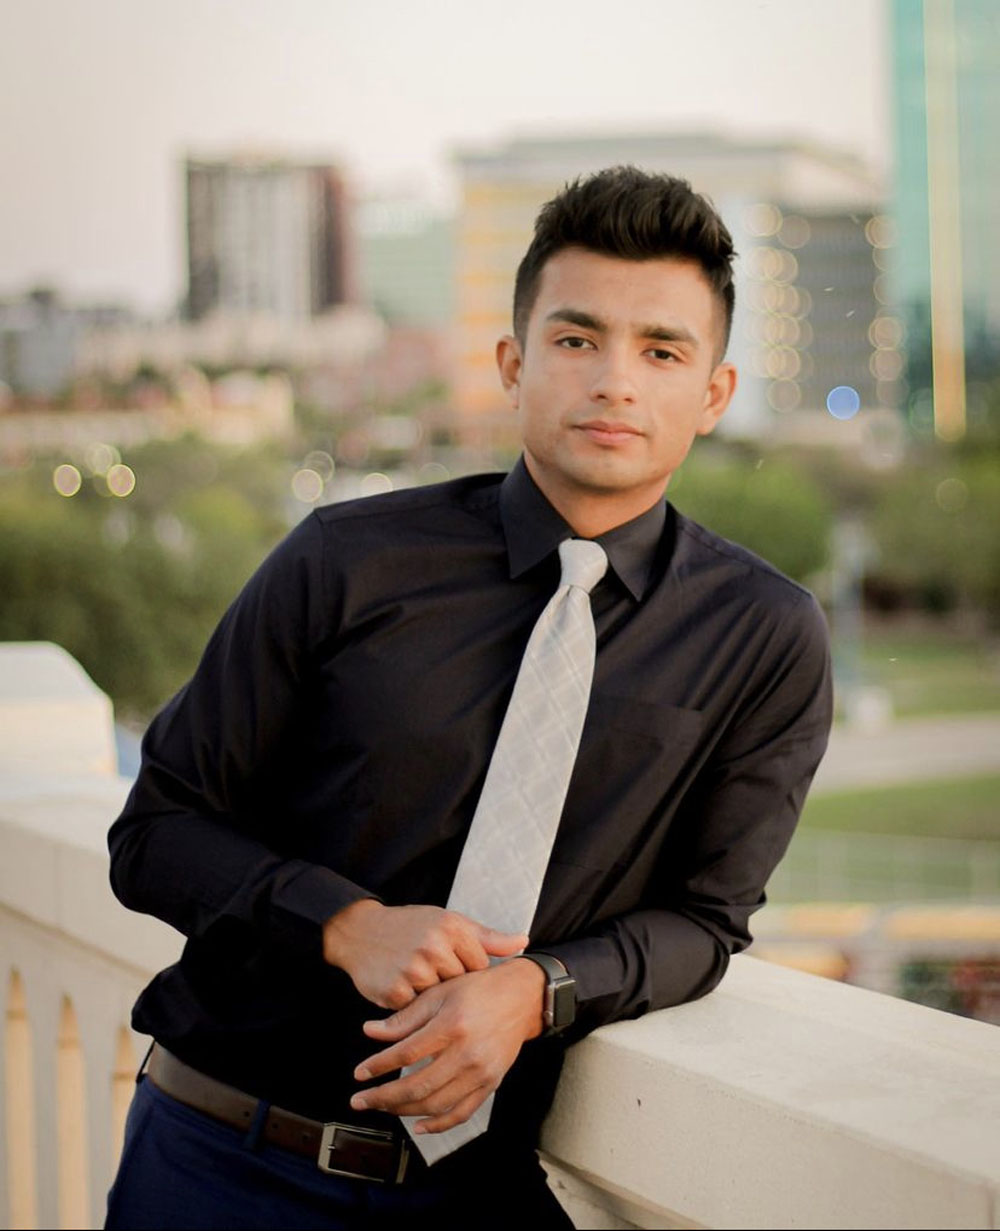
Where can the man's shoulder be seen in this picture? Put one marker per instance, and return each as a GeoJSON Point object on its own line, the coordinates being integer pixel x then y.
{"type": "Point", "coordinates": [471, 494]}
{"type": "Point", "coordinates": [704, 557]}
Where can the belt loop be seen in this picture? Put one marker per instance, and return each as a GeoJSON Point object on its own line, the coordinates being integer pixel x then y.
{"type": "Point", "coordinates": [252, 1140]}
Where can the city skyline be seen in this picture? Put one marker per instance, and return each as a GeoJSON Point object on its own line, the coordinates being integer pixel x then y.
{"type": "Point", "coordinates": [102, 113]}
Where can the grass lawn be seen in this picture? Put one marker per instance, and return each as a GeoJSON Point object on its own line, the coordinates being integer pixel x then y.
{"type": "Point", "coordinates": [927, 671]}
{"type": "Point", "coordinates": [872, 845]}
{"type": "Point", "coordinates": [952, 808]}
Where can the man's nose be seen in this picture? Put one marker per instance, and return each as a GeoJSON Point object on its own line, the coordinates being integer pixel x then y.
{"type": "Point", "coordinates": [613, 381]}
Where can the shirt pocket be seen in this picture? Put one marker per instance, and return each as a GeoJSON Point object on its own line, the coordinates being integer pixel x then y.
{"type": "Point", "coordinates": [636, 758]}
{"type": "Point", "coordinates": [635, 761]}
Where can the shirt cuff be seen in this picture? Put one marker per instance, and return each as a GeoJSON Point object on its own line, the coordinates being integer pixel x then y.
{"type": "Point", "coordinates": [304, 896]}
{"type": "Point", "coordinates": [595, 963]}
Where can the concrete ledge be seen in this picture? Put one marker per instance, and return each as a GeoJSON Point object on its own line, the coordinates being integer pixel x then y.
{"type": "Point", "coordinates": [54, 872]}
{"type": "Point", "coordinates": [53, 719]}
{"type": "Point", "coordinates": [59, 793]}
{"type": "Point", "coordinates": [784, 1100]}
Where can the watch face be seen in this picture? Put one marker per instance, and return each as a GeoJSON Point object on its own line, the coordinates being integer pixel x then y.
{"type": "Point", "coordinates": [563, 1003]}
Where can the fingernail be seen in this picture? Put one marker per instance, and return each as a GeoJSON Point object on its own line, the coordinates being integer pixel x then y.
{"type": "Point", "coordinates": [359, 1102]}
{"type": "Point", "coordinates": [362, 1073]}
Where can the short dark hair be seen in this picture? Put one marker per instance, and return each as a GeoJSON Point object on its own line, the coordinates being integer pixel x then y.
{"type": "Point", "coordinates": [625, 212]}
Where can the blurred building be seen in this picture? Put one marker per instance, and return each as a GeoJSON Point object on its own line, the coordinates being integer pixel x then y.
{"type": "Point", "coordinates": [792, 209]}
{"type": "Point", "coordinates": [266, 235]}
{"type": "Point", "coordinates": [341, 338]}
{"type": "Point", "coordinates": [240, 408]}
{"type": "Point", "coordinates": [406, 258]}
{"type": "Point", "coordinates": [406, 273]}
{"type": "Point", "coordinates": [946, 267]}
{"type": "Point", "coordinates": [817, 321]}
{"type": "Point", "coordinates": [40, 338]}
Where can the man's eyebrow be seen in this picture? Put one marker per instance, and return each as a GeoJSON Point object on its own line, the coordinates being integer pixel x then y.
{"type": "Point", "coordinates": [667, 333]}
{"type": "Point", "coordinates": [655, 333]}
{"type": "Point", "coordinates": [573, 316]}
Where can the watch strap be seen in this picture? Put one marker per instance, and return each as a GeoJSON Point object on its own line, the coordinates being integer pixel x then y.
{"type": "Point", "coordinates": [560, 1000]}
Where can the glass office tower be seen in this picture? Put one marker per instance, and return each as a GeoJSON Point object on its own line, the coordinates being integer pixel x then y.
{"type": "Point", "coordinates": [946, 268]}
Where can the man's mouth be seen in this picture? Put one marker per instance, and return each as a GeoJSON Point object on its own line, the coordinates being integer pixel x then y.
{"type": "Point", "coordinates": [609, 431]}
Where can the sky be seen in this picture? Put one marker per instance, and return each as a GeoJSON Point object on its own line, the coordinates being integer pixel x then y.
{"type": "Point", "coordinates": [101, 99]}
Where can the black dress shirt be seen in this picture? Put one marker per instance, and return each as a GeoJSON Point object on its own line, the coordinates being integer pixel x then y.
{"type": "Point", "coordinates": [335, 737]}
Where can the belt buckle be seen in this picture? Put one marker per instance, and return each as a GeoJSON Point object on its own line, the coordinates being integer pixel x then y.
{"type": "Point", "coordinates": [388, 1154]}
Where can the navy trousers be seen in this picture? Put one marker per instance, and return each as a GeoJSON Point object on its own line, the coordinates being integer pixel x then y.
{"type": "Point", "coordinates": [182, 1169]}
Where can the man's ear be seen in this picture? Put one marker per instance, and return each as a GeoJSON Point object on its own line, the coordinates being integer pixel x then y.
{"type": "Point", "coordinates": [509, 362]}
{"type": "Point", "coordinates": [718, 395]}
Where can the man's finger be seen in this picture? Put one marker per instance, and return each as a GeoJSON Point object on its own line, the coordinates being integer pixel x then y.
{"type": "Point", "coordinates": [450, 965]}
{"type": "Point", "coordinates": [457, 1115]}
{"type": "Point", "coordinates": [503, 944]}
{"type": "Point", "coordinates": [420, 1045]}
{"type": "Point", "coordinates": [470, 951]}
{"type": "Point", "coordinates": [398, 1025]}
{"type": "Point", "coordinates": [437, 1102]}
{"type": "Point", "coordinates": [431, 1089]}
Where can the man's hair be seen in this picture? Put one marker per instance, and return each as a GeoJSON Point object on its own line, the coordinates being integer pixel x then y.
{"type": "Point", "coordinates": [625, 212]}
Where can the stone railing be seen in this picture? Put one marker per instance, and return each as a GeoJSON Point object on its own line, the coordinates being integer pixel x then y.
{"type": "Point", "coordinates": [780, 1100]}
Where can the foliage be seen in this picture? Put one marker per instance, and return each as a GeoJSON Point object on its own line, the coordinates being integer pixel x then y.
{"type": "Point", "coordinates": [936, 527]}
{"type": "Point", "coordinates": [132, 588]}
{"type": "Point", "coordinates": [767, 504]}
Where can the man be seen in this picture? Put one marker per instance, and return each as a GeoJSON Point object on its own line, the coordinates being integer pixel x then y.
{"type": "Point", "coordinates": [304, 802]}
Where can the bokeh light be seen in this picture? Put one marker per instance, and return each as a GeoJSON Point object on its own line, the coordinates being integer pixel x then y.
{"type": "Point", "coordinates": [321, 462]}
{"type": "Point", "coordinates": [99, 457]}
{"type": "Point", "coordinates": [951, 495]}
{"type": "Point", "coordinates": [376, 484]}
{"type": "Point", "coordinates": [121, 480]}
{"type": "Point", "coordinates": [843, 402]}
{"type": "Point", "coordinates": [66, 479]}
{"type": "Point", "coordinates": [433, 472]}
{"type": "Point", "coordinates": [886, 365]}
{"type": "Point", "coordinates": [307, 485]}
{"type": "Point", "coordinates": [794, 232]}
{"type": "Point", "coordinates": [885, 332]}
{"type": "Point", "coordinates": [763, 219]}
{"type": "Point", "coordinates": [784, 396]}
{"type": "Point", "coordinates": [880, 231]}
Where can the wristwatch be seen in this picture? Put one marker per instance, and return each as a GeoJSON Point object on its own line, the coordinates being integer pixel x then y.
{"type": "Point", "coordinates": [559, 1010]}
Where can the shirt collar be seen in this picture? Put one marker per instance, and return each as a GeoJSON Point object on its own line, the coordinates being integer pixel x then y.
{"type": "Point", "coordinates": [533, 530]}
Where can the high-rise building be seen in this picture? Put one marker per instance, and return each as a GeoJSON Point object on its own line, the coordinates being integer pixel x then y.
{"type": "Point", "coordinates": [946, 266]}
{"type": "Point", "coordinates": [801, 219]}
{"type": "Point", "coordinates": [406, 256]}
{"type": "Point", "coordinates": [265, 236]}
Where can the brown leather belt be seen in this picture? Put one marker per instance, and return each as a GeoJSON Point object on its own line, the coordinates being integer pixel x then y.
{"type": "Point", "coordinates": [340, 1149]}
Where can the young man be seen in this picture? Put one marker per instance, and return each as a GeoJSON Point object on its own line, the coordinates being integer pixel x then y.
{"type": "Point", "coordinates": [304, 802]}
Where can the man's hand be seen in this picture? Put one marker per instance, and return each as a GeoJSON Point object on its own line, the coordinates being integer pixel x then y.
{"type": "Point", "coordinates": [471, 1028]}
{"type": "Point", "coordinates": [393, 953]}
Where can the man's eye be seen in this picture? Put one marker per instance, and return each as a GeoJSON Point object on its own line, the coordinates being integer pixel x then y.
{"type": "Point", "coordinates": [574, 342]}
{"type": "Point", "coordinates": [658, 353]}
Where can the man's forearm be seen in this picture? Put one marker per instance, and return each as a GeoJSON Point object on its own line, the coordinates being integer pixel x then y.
{"type": "Point", "coordinates": [649, 959]}
{"type": "Point", "coordinates": [191, 871]}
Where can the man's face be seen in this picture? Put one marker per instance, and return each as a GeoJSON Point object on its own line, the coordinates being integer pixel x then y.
{"type": "Point", "coordinates": [617, 375]}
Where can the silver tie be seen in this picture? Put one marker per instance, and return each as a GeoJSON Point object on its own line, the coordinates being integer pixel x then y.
{"type": "Point", "coordinates": [506, 852]}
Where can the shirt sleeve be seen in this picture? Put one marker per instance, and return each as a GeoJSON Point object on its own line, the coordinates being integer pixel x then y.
{"type": "Point", "coordinates": [729, 834]}
{"type": "Point", "coordinates": [185, 848]}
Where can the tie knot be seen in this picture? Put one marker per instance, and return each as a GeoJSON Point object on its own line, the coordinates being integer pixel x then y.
{"type": "Point", "coordinates": [583, 563]}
